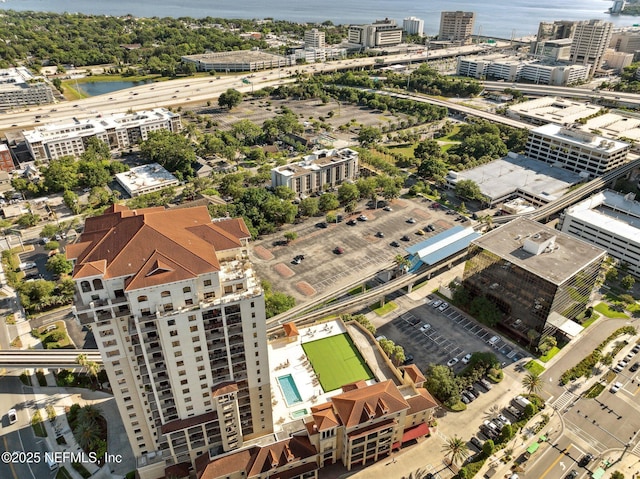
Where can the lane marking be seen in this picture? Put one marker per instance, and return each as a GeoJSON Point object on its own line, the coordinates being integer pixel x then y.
{"type": "Point", "coordinates": [553, 464]}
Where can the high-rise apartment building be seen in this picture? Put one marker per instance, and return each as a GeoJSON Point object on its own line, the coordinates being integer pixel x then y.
{"type": "Point", "coordinates": [413, 26]}
{"type": "Point", "coordinates": [314, 38]}
{"type": "Point", "coordinates": [179, 318]}
{"type": "Point", "coordinates": [456, 26]}
{"type": "Point", "coordinates": [590, 40]}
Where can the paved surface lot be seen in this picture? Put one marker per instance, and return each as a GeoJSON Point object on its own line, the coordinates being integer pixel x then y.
{"type": "Point", "coordinates": [39, 256]}
{"type": "Point", "coordinates": [364, 252]}
{"type": "Point", "coordinates": [451, 335]}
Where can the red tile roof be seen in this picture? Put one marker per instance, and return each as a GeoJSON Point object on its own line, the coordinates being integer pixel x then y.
{"type": "Point", "coordinates": [152, 246]}
{"type": "Point", "coordinates": [359, 405]}
{"type": "Point", "coordinates": [414, 373]}
{"type": "Point", "coordinates": [421, 401]}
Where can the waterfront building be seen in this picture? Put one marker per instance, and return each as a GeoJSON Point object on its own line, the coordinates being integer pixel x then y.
{"type": "Point", "coordinates": [590, 40]}
{"type": "Point", "coordinates": [314, 38]}
{"type": "Point", "coordinates": [381, 33]}
{"type": "Point", "coordinates": [318, 171]}
{"type": "Point", "coordinates": [413, 26]}
{"type": "Point", "coordinates": [179, 319]}
{"type": "Point", "coordinates": [456, 26]}
{"type": "Point", "coordinates": [534, 274]}
{"type": "Point", "coordinates": [118, 131]}
{"type": "Point", "coordinates": [576, 150]}
{"type": "Point", "coordinates": [609, 220]}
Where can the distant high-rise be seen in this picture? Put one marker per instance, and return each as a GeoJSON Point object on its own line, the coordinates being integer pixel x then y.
{"type": "Point", "coordinates": [381, 33]}
{"type": "Point", "coordinates": [590, 40]}
{"type": "Point", "coordinates": [556, 30]}
{"type": "Point", "coordinates": [413, 26]}
{"type": "Point", "coordinates": [179, 318]}
{"type": "Point", "coordinates": [456, 26]}
{"type": "Point", "coordinates": [314, 38]}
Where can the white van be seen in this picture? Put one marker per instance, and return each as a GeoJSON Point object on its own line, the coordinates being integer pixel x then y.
{"type": "Point", "coordinates": [52, 464]}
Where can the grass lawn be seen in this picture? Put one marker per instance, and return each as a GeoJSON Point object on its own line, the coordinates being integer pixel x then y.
{"type": "Point", "coordinates": [336, 361]}
{"type": "Point", "coordinates": [406, 149]}
{"type": "Point", "coordinates": [603, 308]}
{"type": "Point", "coordinates": [534, 367]}
{"type": "Point", "coordinates": [591, 320]}
{"type": "Point", "coordinates": [386, 309]}
{"type": "Point", "coordinates": [357, 290]}
{"type": "Point", "coordinates": [550, 354]}
{"type": "Point", "coordinates": [595, 390]}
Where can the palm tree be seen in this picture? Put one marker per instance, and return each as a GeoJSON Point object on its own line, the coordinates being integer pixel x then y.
{"type": "Point", "coordinates": [81, 359]}
{"type": "Point", "coordinates": [93, 368]}
{"type": "Point", "coordinates": [402, 262]}
{"type": "Point", "coordinates": [532, 383]}
{"type": "Point", "coordinates": [458, 449]}
{"type": "Point", "coordinates": [89, 414]}
{"type": "Point", "coordinates": [418, 474]}
{"type": "Point", "coordinates": [87, 434]}
{"type": "Point", "coordinates": [492, 412]}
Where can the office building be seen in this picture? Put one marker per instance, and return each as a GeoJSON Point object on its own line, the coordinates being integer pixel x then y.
{"type": "Point", "coordinates": [456, 26]}
{"type": "Point", "coordinates": [616, 61]}
{"type": "Point", "coordinates": [144, 179]}
{"type": "Point", "coordinates": [237, 61]}
{"type": "Point", "coordinates": [556, 30]}
{"type": "Point", "coordinates": [118, 131]}
{"type": "Point", "coordinates": [314, 38]}
{"type": "Point", "coordinates": [318, 171]}
{"type": "Point", "coordinates": [413, 26]}
{"type": "Point", "coordinates": [179, 317]}
{"type": "Point", "coordinates": [611, 221]}
{"type": "Point", "coordinates": [575, 150]}
{"type": "Point", "coordinates": [381, 33]}
{"type": "Point", "coordinates": [626, 40]}
{"type": "Point", "coordinates": [552, 50]}
{"type": "Point", "coordinates": [532, 273]}
{"type": "Point", "coordinates": [18, 88]}
{"type": "Point", "coordinates": [590, 40]}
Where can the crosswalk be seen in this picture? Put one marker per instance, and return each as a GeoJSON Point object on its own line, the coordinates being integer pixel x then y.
{"type": "Point", "coordinates": [562, 401]}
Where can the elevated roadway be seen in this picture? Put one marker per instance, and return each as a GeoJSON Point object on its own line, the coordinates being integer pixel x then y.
{"type": "Point", "coordinates": [49, 358]}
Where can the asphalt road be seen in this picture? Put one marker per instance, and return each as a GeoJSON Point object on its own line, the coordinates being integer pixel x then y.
{"type": "Point", "coordinates": [20, 436]}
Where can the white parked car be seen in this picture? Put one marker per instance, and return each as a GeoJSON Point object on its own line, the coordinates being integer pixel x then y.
{"type": "Point", "coordinates": [425, 327]}
{"type": "Point", "coordinates": [443, 306]}
{"type": "Point", "coordinates": [12, 414]}
{"type": "Point", "coordinates": [27, 265]}
{"type": "Point", "coordinates": [436, 303]}
{"type": "Point", "coordinates": [616, 387]}
{"type": "Point", "coordinates": [466, 359]}
{"type": "Point", "coordinates": [452, 362]}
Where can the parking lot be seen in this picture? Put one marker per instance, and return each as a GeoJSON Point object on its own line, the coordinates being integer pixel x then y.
{"type": "Point", "coordinates": [39, 256]}
{"type": "Point", "coordinates": [450, 334]}
{"type": "Point", "coordinates": [366, 246]}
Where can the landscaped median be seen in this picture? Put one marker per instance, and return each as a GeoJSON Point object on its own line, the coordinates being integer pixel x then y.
{"type": "Point", "coordinates": [585, 367]}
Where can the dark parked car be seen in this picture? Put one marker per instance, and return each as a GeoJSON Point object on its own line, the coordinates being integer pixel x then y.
{"type": "Point", "coordinates": [338, 250]}
{"type": "Point", "coordinates": [634, 367]}
{"type": "Point", "coordinates": [380, 234]}
{"type": "Point", "coordinates": [405, 238]}
{"type": "Point", "coordinates": [572, 475]}
{"type": "Point", "coordinates": [585, 460]}
{"type": "Point", "coordinates": [476, 442]}
{"type": "Point", "coordinates": [408, 359]}
{"type": "Point", "coordinates": [395, 244]}
{"type": "Point", "coordinates": [352, 222]}
{"type": "Point", "coordinates": [321, 224]}
{"type": "Point", "coordinates": [469, 396]}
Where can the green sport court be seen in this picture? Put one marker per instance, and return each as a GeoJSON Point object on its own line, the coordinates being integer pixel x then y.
{"type": "Point", "coordinates": [336, 361]}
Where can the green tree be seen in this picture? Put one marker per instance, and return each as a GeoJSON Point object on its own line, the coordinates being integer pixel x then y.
{"type": "Point", "coordinates": [93, 173]}
{"type": "Point", "coordinates": [488, 448]}
{"type": "Point", "coordinates": [506, 434]}
{"type": "Point", "coordinates": [309, 206]}
{"type": "Point", "coordinates": [276, 302]}
{"type": "Point", "coordinates": [468, 189]}
{"type": "Point", "coordinates": [81, 360]}
{"type": "Point", "coordinates": [456, 448]}
{"type": "Point", "coordinates": [398, 355]}
{"type": "Point", "coordinates": [427, 149]}
{"type": "Point", "coordinates": [52, 245]}
{"type": "Point", "coordinates": [71, 200]}
{"type": "Point", "coordinates": [612, 274]}
{"type": "Point", "coordinates": [246, 132]}
{"type": "Point", "coordinates": [348, 192]}
{"type": "Point", "coordinates": [49, 230]}
{"type": "Point", "coordinates": [617, 475]}
{"type": "Point", "coordinates": [433, 168]}
{"type": "Point", "coordinates": [290, 236]}
{"type": "Point", "coordinates": [441, 382]}
{"type": "Point", "coordinates": [530, 410]}
{"type": "Point", "coordinates": [485, 311]}
{"type": "Point", "coordinates": [328, 202]}
{"type": "Point", "coordinates": [369, 135]}
{"type": "Point", "coordinates": [171, 150]}
{"type": "Point", "coordinates": [532, 383]}
{"type": "Point", "coordinates": [28, 220]}
{"type": "Point", "coordinates": [284, 193]}
{"type": "Point", "coordinates": [87, 434]}
{"type": "Point", "coordinates": [61, 174]}
{"type": "Point", "coordinates": [627, 282]}
{"type": "Point", "coordinates": [59, 265]}
{"type": "Point", "coordinates": [230, 99]}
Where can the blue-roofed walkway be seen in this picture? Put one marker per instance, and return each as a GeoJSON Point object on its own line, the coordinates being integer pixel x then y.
{"type": "Point", "coordinates": [440, 246]}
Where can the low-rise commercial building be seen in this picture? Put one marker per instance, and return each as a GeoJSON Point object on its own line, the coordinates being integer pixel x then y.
{"type": "Point", "coordinates": [18, 88]}
{"type": "Point", "coordinates": [6, 160]}
{"type": "Point", "coordinates": [609, 220]}
{"type": "Point", "coordinates": [576, 150]}
{"type": "Point", "coordinates": [146, 179]}
{"type": "Point", "coordinates": [531, 271]}
{"type": "Point", "coordinates": [551, 109]}
{"type": "Point", "coordinates": [318, 171]}
{"type": "Point", "coordinates": [118, 131]}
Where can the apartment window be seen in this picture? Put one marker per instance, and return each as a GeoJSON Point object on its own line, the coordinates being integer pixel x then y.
{"type": "Point", "coordinates": [228, 289]}
{"type": "Point", "coordinates": [186, 289]}
{"type": "Point", "coordinates": [193, 329]}
{"type": "Point", "coordinates": [187, 399]}
{"type": "Point", "coordinates": [178, 354]}
{"type": "Point", "coordinates": [183, 382]}
{"type": "Point", "coordinates": [209, 295]}
{"type": "Point", "coordinates": [202, 377]}
{"type": "Point", "coordinates": [189, 408]}
{"type": "Point", "coordinates": [207, 403]}
{"type": "Point", "coordinates": [197, 349]}
{"type": "Point", "coordinates": [207, 282]}
{"type": "Point", "coordinates": [201, 368]}
{"type": "Point", "coordinates": [142, 299]}
{"type": "Point", "coordinates": [188, 302]}
{"type": "Point", "coordinates": [173, 332]}
{"type": "Point", "coordinates": [180, 364]}
{"type": "Point", "coordinates": [185, 391]}
{"type": "Point", "coordinates": [192, 317]}
{"type": "Point", "coordinates": [165, 294]}
{"type": "Point", "coordinates": [171, 322]}
{"type": "Point", "coordinates": [182, 373]}
{"type": "Point", "coordinates": [195, 339]}
{"type": "Point", "coordinates": [86, 286]}
{"type": "Point", "coordinates": [253, 305]}
{"type": "Point", "coordinates": [167, 307]}
{"type": "Point", "coordinates": [205, 395]}
{"type": "Point", "coordinates": [175, 344]}
{"type": "Point", "coordinates": [97, 284]}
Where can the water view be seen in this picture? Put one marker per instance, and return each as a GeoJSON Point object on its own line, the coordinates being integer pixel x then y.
{"type": "Point", "coordinates": [103, 87]}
